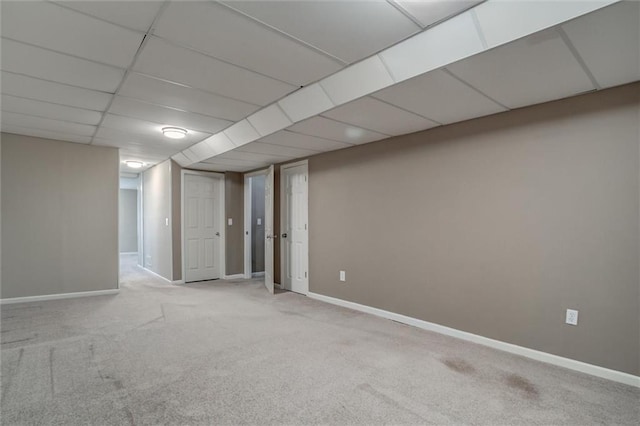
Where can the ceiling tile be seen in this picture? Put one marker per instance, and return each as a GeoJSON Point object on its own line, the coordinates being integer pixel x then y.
{"type": "Point", "coordinates": [269, 120]}
{"type": "Point", "coordinates": [379, 116]}
{"type": "Point", "coordinates": [536, 69]}
{"type": "Point", "coordinates": [138, 15]}
{"type": "Point", "coordinates": [330, 129]}
{"type": "Point", "coordinates": [306, 102]}
{"type": "Point", "coordinates": [298, 140]}
{"type": "Point", "coordinates": [235, 162]}
{"type": "Point", "coordinates": [202, 72]}
{"type": "Point", "coordinates": [357, 80]}
{"type": "Point", "coordinates": [225, 34]}
{"type": "Point", "coordinates": [49, 110]}
{"type": "Point", "coordinates": [39, 123]}
{"type": "Point", "coordinates": [609, 42]}
{"type": "Point", "coordinates": [181, 159]}
{"type": "Point", "coordinates": [219, 167]}
{"type": "Point", "coordinates": [219, 143]}
{"type": "Point", "coordinates": [149, 131]}
{"type": "Point", "coordinates": [439, 97]}
{"type": "Point", "coordinates": [48, 25]}
{"type": "Point", "coordinates": [47, 134]}
{"type": "Point", "coordinates": [203, 150]}
{"type": "Point", "coordinates": [505, 21]}
{"type": "Point", "coordinates": [432, 11]}
{"type": "Point", "coordinates": [35, 62]}
{"type": "Point", "coordinates": [260, 147]}
{"type": "Point", "coordinates": [41, 90]}
{"type": "Point", "coordinates": [367, 26]}
{"type": "Point", "coordinates": [450, 41]}
{"type": "Point", "coordinates": [241, 133]}
{"type": "Point", "coordinates": [191, 121]}
{"type": "Point", "coordinates": [183, 97]}
{"type": "Point", "coordinates": [251, 156]}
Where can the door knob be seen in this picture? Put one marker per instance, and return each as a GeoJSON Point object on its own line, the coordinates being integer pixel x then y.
{"type": "Point", "coordinates": [284, 235]}
{"type": "Point", "coordinates": [268, 237]}
{"type": "Point", "coordinates": [217, 234]}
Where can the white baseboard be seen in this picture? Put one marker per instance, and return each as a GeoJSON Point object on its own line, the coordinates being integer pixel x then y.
{"type": "Point", "coordinates": [177, 282]}
{"type": "Point", "coordinates": [128, 252]}
{"type": "Point", "coordinates": [232, 277]}
{"type": "Point", "coordinates": [58, 296]}
{"type": "Point", "coordinates": [257, 274]}
{"type": "Point", "coordinates": [594, 370]}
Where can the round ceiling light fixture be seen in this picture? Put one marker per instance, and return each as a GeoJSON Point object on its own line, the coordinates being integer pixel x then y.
{"type": "Point", "coordinates": [134, 164]}
{"type": "Point", "coordinates": [174, 132]}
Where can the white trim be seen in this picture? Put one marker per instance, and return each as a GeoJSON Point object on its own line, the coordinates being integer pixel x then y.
{"type": "Point", "coordinates": [128, 252]}
{"type": "Point", "coordinates": [177, 282]}
{"type": "Point", "coordinates": [583, 367]}
{"type": "Point", "coordinates": [156, 274]}
{"type": "Point", "coordinates": [222, 218]}
{"type": "Point", "coordinates": [233, 277]}
{"type": "Point", "coordinates": [257, 274]}
{"type": "Point", "coordinates": [58, 296]}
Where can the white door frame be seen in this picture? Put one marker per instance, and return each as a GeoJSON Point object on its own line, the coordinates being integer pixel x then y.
{"type": "Point", "coordinates": [221, 218]}
{"type": "Point", "coordinates": [247, 220]}
{"type": "Point", "coordinates": [282, 208]}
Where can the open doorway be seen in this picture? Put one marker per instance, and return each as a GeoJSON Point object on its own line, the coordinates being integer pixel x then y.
{"type": "Point", "coordinates": [129, 222]}
{"type": "Point", "coordinates": [254, 184]}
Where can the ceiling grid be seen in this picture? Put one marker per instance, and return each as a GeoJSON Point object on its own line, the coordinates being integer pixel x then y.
{"type": "Point", "coordinates": [368, 70]}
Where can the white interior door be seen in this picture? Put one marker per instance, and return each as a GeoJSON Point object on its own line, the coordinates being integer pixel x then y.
{"type": "Point", "coordinates": [294, 224]}
{"type": "Point", "coordinates": [268, 230]}
{"type": "Point", "coordinates": [201, 228]}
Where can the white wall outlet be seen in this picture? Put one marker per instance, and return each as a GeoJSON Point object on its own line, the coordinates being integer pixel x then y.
{"type": "Point", "coordinates": [230, 221]}
{"type": "Point", "coordinates": [572, 317]}
{"type": "Point", "coordinates": [259, 221]}
{"type": "Point", "coordinates": [343, 276]}
{"type": "Point", "coordinates": [166, 221]}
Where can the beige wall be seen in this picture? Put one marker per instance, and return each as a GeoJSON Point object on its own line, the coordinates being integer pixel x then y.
{"type": "Point", "coordinates": [234, 209]}
{"type": "Point", "coordinates": [157, 210]}
{"type": "Point", "coordinates": [128, 221]}
{"type": "Point", "coordinates": [495, 226]}
{"type": "Point", "coordinates": [59, 217]}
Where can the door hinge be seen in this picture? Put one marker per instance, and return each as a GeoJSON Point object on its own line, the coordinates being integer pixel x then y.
{"type": "Point", "coordinates": [305, 274]}
{"type": "Point", "coordinates": [305, 226]}
{"type": "Point", "coordinates": [305, 178]}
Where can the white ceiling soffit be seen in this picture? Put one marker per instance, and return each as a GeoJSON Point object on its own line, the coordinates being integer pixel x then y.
{"type": "Point", "coordinates": [594, 34]}
{"type": "Point", "coordinates": [489, 24]}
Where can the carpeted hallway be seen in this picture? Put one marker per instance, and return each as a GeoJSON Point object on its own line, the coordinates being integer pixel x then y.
{"type": "Point", "coordinates": [226, 352]}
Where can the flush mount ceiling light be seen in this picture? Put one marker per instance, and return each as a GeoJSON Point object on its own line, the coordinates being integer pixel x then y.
{"type": "Point", "coordinates": [174, 132]}
{"type": "Point", "coordinates": [134, 164]}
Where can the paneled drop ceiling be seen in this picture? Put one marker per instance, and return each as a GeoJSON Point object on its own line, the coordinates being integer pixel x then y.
{"type": "Point", "coordinates": [261, 82]}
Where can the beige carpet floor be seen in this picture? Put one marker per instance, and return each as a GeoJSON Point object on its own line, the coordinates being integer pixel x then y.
{"type": "Point", "coordinates": [226, 352]}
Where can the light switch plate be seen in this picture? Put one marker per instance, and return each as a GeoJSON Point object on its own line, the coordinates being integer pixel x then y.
{"type": "Point", "coordinates": [343, 276]}
{"type": "Point", "coordinates": [230, 221]}
{"type": "Point", "coordinates": [572, 317]}
{"type": "Point", "coordinates": [259, 221]}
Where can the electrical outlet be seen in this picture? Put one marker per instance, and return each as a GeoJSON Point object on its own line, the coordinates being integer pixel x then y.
{"type": "Point", "coordinates": [343, 276]}
{"type": "Point", "coordinates": [572, 317]}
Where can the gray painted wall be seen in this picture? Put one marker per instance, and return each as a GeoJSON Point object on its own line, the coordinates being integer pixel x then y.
{"type": "Point", "coordinates": [157, 212]}
{"type": "Point", "coordinates": [495, 226]}
{"type": "Point", "coordinates": [234, 209]}
{"type": "Point", "coordinates": [257, 231]}
{"type": "Point", "coordinates": [128, 221]}
{"type": "Point", "coordinates": [59, 217]}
